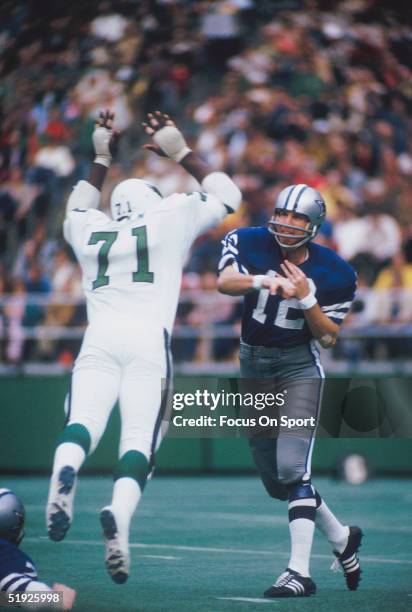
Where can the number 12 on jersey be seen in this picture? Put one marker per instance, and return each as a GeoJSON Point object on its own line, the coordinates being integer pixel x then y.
{"type": "Point", "coordinates": [281, 319]}
{"type": "Point", "coordinates": [141, 275]}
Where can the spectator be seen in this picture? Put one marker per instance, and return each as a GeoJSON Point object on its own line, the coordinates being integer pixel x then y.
{"type": "Point", "coordinates": [14, 313]}
{"type": "Point", "coordinates": [314, 94]}
{"type": "Point", "coordinates": [55, 157]}
{"type": "Point", "coordinates": [65, 290]}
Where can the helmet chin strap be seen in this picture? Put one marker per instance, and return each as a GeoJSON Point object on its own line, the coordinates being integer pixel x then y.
{"type": "Point", "coordinates": [21, 536]}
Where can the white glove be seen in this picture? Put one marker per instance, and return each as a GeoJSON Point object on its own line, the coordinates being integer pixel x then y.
{"type": "Point", "coordinates": [172, 142]}
{"type": "Point", "coordinates": [101, 142]}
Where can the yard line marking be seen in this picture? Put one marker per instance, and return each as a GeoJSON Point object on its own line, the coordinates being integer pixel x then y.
{"type": "Point", "coordinates": [165, 557]}
{"type": "Point", "coordinates": [270, 519]}
{"type": "Point", "coordinates": [258, 519]}
{"type": "Point", "coordinates": [209, 549]}
{"type": "Point", "coordinates": [249, 599]}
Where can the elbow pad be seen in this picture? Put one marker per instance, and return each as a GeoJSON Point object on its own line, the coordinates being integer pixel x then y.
{"type": "Point", "coordinates": [221, 185]}
{"type": "Point", "coordinates": [84, 195]}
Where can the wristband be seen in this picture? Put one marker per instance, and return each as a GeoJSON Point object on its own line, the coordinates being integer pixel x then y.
{"type": "Point", "coordinates": [307, 302]}
{"type": "Point", "coordinates": [104, 160]}
{"type": "Point", "coordinates": [257, 281]}
{"type": "Point", "coordinates": [181, 154]}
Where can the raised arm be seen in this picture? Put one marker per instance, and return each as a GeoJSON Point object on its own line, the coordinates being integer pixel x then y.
{"type": "Point", "coordinates": [170, 142]}
{"type": "Point", "coordinates": [86, 194]}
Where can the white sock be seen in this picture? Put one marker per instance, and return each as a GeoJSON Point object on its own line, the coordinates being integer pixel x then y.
{"type": "Point", "coordinates": [126, 496]}
{"type": "Point", "coordinates": [67, 453]}
{"type": "Point", "coordinates": [301, 537]}
{"type": "Point", "coordinates": [333, 529]}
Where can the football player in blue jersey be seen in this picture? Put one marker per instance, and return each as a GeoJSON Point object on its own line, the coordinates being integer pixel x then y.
{"type": "Point", "coordinates": [18, 573]}
{"type": "Point", "coordinates": [295, 292]}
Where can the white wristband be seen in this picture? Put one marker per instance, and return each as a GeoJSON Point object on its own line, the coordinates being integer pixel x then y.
{"type": "Point", "coordinates": [257, 281]}
{"type": "Point", "coordinates": [105, 160]}
{"type": "Point", "coordinates": [182, 153]}
{"type": "Point", "coordinates": [307, 302]}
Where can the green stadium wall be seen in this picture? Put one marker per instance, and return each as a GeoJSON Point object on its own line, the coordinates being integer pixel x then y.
{"type": "Point", "coordinates": [32, 416]}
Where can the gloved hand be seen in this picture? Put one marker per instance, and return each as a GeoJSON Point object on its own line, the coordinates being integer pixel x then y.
{"type": "Point", "coordinates": [169, 140]}
{"type": "Point", "coordinates": [104, 139]}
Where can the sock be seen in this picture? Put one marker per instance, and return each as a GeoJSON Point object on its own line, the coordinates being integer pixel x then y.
{"type": "Point", "coordinates": [67, 453]}
{"type": "Point", "coordinates": [130, 477]}
{"type": "Point", "coordinates": [329, 525]}
{"type": "Point", "coordinates": [302, 512]}
{"type": "Point", "coordinates": [126, 496]}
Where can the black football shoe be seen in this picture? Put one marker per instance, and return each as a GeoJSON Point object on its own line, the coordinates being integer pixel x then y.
{"type": "Point", "coordinates": [291, 584]}
{"type": "Point", "coordinates": [349, 560]}
{"type": "Point", "coordinates": [117, 551]}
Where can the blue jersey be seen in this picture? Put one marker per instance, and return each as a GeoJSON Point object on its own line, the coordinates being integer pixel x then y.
{"type": "Point", "coordinates": [17, 570]}
{"type": "Point", "coordinates": [269, 320]}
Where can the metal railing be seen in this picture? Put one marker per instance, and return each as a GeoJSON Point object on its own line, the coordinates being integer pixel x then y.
{"type": "Point", "coordinates": [210, 325]}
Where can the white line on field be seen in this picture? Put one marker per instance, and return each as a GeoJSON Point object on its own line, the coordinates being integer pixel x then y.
{"type": "Point", "coordinates": [255, 519]}
{"type": "Point", "coordinates": [269, 519]}
{"type": "Point", "coordinates": [165, 557]}
{"type": "Point", "coordinates": [249, 599]}
{"type": "Point", "coordinates": [209, 549]}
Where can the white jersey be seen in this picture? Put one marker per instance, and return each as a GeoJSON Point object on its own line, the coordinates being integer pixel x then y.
{"type": "Point", "coordinates": [133, 268]}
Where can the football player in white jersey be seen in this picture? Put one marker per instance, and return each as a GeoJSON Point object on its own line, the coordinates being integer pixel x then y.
{"type": "Point", "coordinates": [132, 266]}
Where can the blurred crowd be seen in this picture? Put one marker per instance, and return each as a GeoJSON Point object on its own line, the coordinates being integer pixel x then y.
{"type": "Point", "coordinates": [273, 92]}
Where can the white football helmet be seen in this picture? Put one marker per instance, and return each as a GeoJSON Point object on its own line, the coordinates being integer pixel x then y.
{"type": "Point", "coordinates": [133, 197]}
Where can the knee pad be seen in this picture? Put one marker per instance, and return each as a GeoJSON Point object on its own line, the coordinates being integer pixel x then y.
{"type": "Point", "coordinates": [301, 490]}
{"type": "Point", "coordinates": [94, 429]}
{"type": "Point", "coordinates": [302, 502]}
{"type": "Point", "coordinates": [77, 434]}
{"type": "Point", "coordinates": [133, 464]}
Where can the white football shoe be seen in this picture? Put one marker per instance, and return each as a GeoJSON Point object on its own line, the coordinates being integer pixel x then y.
{"type": "Point", "coordinates": [59, 510]}
{"type": "Point", "coordinates": [117, 551]}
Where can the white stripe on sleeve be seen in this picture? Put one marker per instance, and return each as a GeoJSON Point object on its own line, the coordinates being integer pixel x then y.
{"type": "Point", "coordinates": [14, 576]}
{"type": "Point", "coordinates": [336, 315]}
{"type": "Point", "coordinates": [343, 305]}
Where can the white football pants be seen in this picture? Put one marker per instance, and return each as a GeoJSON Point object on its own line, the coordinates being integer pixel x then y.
{"type": "Point", "coordinates": [126, 360]}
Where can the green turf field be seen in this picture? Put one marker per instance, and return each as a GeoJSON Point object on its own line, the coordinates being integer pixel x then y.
{"type": "Point", "coordinates": [215, 543]}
